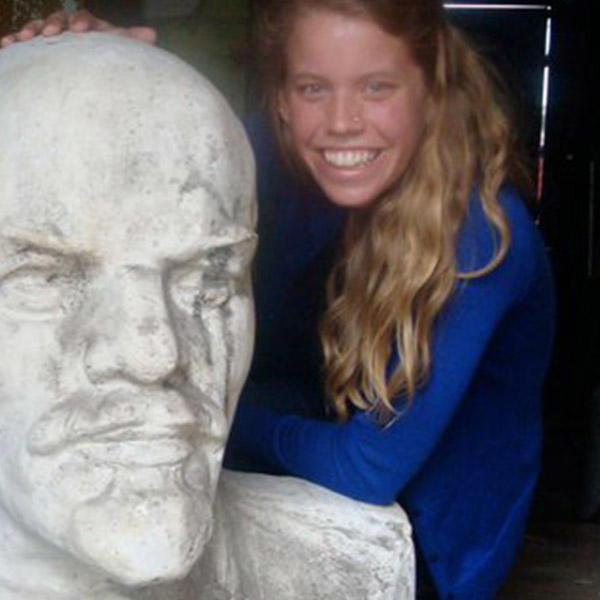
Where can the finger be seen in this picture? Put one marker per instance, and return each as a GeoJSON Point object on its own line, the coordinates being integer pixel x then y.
{"type": "Point", "coordinates": [140, 33]}
{"type": "Point", "coordinates": [29, 30]}
{"type": "Point", "coordinates": [55, 23]}
{"type": "Point", "coordinates": [82, 20]}
{"type": "Point", "coordinates": [7, 40]}
{"type": "Point", "coordinates": [144, 34]}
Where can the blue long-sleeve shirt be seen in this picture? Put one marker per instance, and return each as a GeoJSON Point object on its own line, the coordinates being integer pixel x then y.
{"type": "Point", "coordinates": [464, 458]}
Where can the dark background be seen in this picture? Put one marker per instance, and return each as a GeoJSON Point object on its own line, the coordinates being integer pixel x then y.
{"type": "Point", "coordinates": [569, 217]}
{"type": "Point", "coordinates": [568, 213]}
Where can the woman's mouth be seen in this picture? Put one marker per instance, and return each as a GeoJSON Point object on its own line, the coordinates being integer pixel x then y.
{"type": "Point", "coordinates": [349, 159]}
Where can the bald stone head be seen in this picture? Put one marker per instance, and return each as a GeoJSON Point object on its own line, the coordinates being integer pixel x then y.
{"type": "Point", "coordinates": [126, 230]}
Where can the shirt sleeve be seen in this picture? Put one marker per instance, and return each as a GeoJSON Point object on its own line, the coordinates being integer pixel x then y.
{"type": "Point", "coordinates": [361, 458]}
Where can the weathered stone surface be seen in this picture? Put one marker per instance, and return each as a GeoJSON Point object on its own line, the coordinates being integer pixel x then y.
{"type": "Point", "coordinates": [126, 231]}
{"type": "Point", "coordinates": [126, 316]}
{"type": "Point", "coordinates": [289, 539]}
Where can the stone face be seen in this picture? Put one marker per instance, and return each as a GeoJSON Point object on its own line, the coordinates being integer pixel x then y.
{"type": "Point", "coordinates": [127, 218]}
{"type": "Point", "coordinates": [126, 316]}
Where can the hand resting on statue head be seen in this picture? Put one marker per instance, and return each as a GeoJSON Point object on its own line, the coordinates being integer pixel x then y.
{"type": "Point", "coordinates": [79, 22]}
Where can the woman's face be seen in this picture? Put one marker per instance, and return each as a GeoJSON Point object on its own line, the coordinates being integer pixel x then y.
{"type": "Point", "coordinates": [354, 102]}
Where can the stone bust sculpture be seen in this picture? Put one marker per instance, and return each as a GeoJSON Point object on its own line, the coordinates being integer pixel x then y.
{"type": "Point", "coordinates": [127, 217]}
{"type": "Point", "coordinates": [126, 229]}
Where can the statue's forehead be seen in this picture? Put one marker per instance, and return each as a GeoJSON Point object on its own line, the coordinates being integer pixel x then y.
{"type": "Point", "coordinates": [111, 122]}
{"type": "Point", "coordinates": [118, 120]}
{"type": "Point", "coordinates": [117, 144]}
{"type": "Point", "coordinates": [166, 218]}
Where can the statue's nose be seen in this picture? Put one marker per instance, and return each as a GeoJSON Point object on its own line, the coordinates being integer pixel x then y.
{"type": "Point", "coordinates": [134, 337]}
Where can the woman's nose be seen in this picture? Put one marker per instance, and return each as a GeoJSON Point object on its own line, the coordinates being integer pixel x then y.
{"type": "Point", "coordinates": [345, 114]}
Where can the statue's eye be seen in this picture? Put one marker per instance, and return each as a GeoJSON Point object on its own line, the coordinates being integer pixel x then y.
{"type": "Point", "coordinates": [35, 292]}
{"type": "Point", "coordinates": [213, 279]}
{"type": "Point", "coordinates": [213, 296]}
{"type": "Point", "coordinates": [194, 288]}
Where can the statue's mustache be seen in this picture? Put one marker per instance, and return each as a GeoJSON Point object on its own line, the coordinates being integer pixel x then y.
{"type": "Point", "coordinates": [121, 415]}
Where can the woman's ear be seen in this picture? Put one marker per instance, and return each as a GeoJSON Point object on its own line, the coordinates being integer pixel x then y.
{"type": "Point", "coordinates": [283, 106]}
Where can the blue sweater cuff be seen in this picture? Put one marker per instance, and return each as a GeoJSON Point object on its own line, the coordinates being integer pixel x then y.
{"type": "Point", "coordinates": [251, 444]}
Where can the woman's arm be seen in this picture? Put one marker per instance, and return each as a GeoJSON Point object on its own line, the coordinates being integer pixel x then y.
{"type": "Point", "coordinates": [361, 459]}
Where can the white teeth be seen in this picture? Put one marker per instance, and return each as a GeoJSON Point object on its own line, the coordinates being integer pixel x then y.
{"type": "Point", "coordinates": [349, 158]}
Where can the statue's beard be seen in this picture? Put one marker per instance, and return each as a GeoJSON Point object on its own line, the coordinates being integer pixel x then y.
{"type": "Point", "coordinates": [125, 483]}
{"type": "Point", "coordinates": [137, 538]}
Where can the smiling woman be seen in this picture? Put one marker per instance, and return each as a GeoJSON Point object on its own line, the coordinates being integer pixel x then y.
{"type": "Point", "coordinates": [386, 107]}
{"type": "Point", "coordinates": [355, 105]}
{"type": "Point", "coordinates": [437, 325]}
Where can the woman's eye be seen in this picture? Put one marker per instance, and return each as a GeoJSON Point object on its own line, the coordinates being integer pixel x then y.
{"type": "Point", "coordinates": [311, 90]}
{"type": "Point", "coordinates": [35, 292]}
{"type": "Point", "coordinates": [379, 88]}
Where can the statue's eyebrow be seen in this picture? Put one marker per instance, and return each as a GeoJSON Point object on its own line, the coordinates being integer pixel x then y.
{"type": "Point", "coordinates": [233, 239]}
{"type": "Point", "coordinates": [19, 248]}
{"type": "Point", "coordinates": [23, 240]}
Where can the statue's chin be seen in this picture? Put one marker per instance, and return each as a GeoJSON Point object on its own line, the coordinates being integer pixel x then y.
{"type": "Point", "coordinates": [139, 540]}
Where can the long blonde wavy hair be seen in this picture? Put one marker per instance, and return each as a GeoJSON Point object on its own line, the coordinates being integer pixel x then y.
{"type": "Point", "coordinates": [397, 267]}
